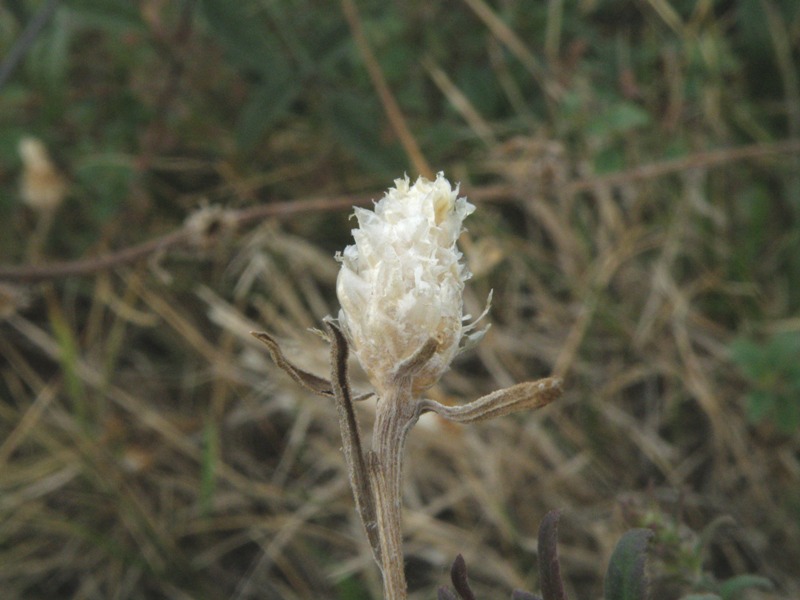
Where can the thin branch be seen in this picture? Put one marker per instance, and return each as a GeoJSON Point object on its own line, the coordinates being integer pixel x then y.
{"type": "Point", "coordinates": [499, 193]}
{"type": "Point", "coordinates": [712, 158]}
{"type": "Point", "coordinates": [90, 266]}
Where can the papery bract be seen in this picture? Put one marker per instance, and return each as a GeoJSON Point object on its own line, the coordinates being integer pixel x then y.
{"type": "Point", "coordinates": [401, 283]}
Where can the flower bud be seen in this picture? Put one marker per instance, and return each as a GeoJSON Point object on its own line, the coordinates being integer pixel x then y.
{"type": "Point", "coordinates": [401, 283]}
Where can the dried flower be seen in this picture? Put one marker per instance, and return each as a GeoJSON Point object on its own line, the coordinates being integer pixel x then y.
{"type": "Point", "coordinates": [207, 225]}
{"type": "Point", "coordinates": [42, 187]}
{"type": "Point", "coordinates": [401, 283]}
{"type": "Point", "coordinates": [400, 287]}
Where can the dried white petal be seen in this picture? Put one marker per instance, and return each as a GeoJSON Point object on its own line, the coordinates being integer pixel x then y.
{"type": "Point", "coordinates": [401, 283]}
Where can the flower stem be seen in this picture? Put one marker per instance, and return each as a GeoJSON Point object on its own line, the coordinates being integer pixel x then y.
{"type": "Point", "coordinates": [396, 414]}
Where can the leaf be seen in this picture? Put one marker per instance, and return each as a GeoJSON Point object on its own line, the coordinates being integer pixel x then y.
{"type": "Point", "coordinates": [625, 577]}
{"type": "Point", "coordinates": [732, 587]}
{"type": "Point", "coordinates": [412, 365]}
{"type": "Point", "coordinates": [710, 531]}
{"type": "Point", "coordinates": [772, 368]}
{"type": "Point", "coordinates": [358, 125]}
{"type": "Point", "coordinates": [529, 395]}
{"type": "Point", "coordinates": [309, 381]}
{"type": "Point", "coordinates": [445, 593]}
{"type": "Point", "coordinates": [759, 405]}
{"type": "Point", "coordinates": [242, 28]}
{"type": "Point", "coordinates": [269, 103]}
{"type": "Point", "coordinates": [549, 568]}
{"type": "Point", "coordinates": [458, 575]}
{"type": "Point", "coordinates": [748, 357]}
{"type": "Point", "coordinates": [621, 117]}
{"type": "Point", "coordinates": [521, 595]}
{"type": "Point", "coordinates": [351, 437]}
{"type": "Point", "coordinates": [108, 182]}
{"type": "Point", "coordinates": [111, 15]}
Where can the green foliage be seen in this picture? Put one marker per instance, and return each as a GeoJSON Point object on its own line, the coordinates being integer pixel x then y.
{"type": "Point", "coordinates": [119, 16]}
{"type": "Point", "coordinates": [626, 575]}
{"type": "Point", "coordinates": [772, 369]}
{"type": "Point", "coordinates": [730, 589]}
{"type": "Point", "coordinates": [350, 588]}
{"type": "Point", "coordinates": [626, 578]}
{"type": "Point", "coordinates": [683, 553]}
{"type": "Point", "coordinates": [620, 118]}
{"type": "Point", "coordinates": [242, 29]}
{"type": "Point", "coordinates": [734, 587]}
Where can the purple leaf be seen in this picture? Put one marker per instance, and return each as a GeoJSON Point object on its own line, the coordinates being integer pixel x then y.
{"type": "Point", "coordinates": [458, 574]}
{"type": "Point", "coordinates": [549, 569]}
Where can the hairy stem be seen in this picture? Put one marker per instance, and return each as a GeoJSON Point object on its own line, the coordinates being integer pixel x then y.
{"type": "Point", "coordinates": [396, 414]}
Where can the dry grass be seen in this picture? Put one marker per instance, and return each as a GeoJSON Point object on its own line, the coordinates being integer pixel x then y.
{"type": "Point", "coordinates": [149, 449]}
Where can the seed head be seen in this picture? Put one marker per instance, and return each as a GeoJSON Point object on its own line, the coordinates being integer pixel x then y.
{"type": "Point", "coordinates": [401, 283]}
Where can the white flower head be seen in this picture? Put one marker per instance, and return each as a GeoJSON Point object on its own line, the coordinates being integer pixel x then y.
{"type": "Point", "coordinates": [401, 283]}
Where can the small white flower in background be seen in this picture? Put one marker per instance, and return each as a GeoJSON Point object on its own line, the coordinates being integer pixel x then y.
{"type": "Point", "coordinates": [42, 187]}
{"type": "Point", "coordinates": [401, 284]}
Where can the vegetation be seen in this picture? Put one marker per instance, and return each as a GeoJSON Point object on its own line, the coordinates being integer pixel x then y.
{"type": "Point", "coordinates": [637, 171]}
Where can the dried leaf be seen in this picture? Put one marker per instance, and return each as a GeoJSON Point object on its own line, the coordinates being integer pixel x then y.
{"type": "Point", "coordinates": [309, 381]}
{"type": "Point", "coordinates": [314, 384]}
{"type": "Point", "coordinates": [351, 437]}
{"type": "Point", "coordinates": [411, 366]}
{"type": "Point", "coordinates": [529, 395]}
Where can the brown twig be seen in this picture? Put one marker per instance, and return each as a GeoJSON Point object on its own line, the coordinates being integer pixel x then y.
{"type": "Point", "coordinates": [89, 266]}
{"type": "Point", "coordinates": [711, 158]}
{"type": "Point", "coordinates": [285, 210]}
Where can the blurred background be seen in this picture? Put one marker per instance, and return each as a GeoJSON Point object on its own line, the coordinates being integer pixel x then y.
{"type": "Point", "coordinates": [174, 174]}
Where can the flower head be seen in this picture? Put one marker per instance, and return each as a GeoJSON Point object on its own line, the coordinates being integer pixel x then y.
{"type": "Point", "coordinates": [401, 283]}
